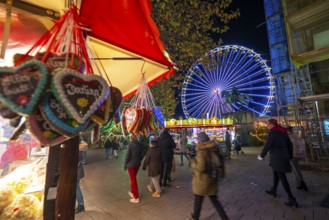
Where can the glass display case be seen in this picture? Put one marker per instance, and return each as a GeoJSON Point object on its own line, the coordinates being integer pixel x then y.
{"type": "Point", "coordinates": [22, 174]}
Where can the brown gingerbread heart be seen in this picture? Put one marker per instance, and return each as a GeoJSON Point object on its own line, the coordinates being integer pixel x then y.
{"type": "Point", "coordinates": [22, 86]}
{"type": "Point", "coordinates": [101, 115]}
{"type": "Point", "coordinates": [43, 131]}
{"type": "Point", "coordinates": [116, 97]}
{"type": "Point", "coordinates": [81, 95]}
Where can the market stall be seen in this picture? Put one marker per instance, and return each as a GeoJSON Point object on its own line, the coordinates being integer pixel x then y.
{"type": "Point", "coordinates": [58, 89]}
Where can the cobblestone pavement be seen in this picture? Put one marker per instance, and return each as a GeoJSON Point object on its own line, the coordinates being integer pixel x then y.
{"type": "Point", "coordinates": [106, 185]}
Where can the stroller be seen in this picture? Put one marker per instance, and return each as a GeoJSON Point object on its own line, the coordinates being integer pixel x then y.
{"type": "Point", "coordinates": [237, 146]}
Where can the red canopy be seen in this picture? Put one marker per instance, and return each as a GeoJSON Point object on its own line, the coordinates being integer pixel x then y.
{"type": "Point", "coordinates": [123, 36]}
{"type": "Point", "coordinates": [127, 25]}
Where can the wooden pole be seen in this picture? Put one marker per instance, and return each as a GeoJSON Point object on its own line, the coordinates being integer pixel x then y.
{"type": "Point", "coordinates": [61, 180]}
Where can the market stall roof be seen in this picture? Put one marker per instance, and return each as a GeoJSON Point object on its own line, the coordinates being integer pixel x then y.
{"type": "Point", "coordinates": [122, 36]}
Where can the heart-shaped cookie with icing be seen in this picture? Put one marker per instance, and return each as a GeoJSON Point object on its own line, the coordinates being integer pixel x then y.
{"type": "Point", "coordinates": [55, 61]}
{"type": "Point", "coordinates": [96, 134]}
{"type": "Point", "coordinates": [132, 117]}
{"type": "Point", "coordinates": [116, 97]}
{"type": "Point", "coordinates": [69, 60]}
{"type": "Point", "coordinates": [22, 86]}
{"type": "Point", "coordinates": [81, 95]}
{"type": "Point", "coordinates": [57, 117]}
{"type": "Point", "coordinates": [43, 131]}
{"type": "Point", "coordinates": [102, 113]}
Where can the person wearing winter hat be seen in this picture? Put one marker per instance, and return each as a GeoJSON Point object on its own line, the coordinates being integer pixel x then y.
{"type": "Point", "coordinates": [202, 184]}
{"type": "Point", "coordinates": [281, 152]}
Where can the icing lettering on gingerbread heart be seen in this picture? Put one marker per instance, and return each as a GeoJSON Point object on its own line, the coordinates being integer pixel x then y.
{"type": "Point", "coordinates": [81, 95]}
{"type": "Point", "coordinates": [21, 87]}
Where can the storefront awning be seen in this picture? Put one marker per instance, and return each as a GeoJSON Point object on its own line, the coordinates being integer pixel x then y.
{"type": "Point", "coordinates": [122, 36]}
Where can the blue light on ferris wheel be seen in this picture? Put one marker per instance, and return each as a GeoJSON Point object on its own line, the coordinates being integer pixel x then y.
{"type": "Point", "coordinates": [223, 69]}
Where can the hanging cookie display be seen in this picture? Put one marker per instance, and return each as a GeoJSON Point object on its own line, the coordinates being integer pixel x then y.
{"type": "Point", "coordinates": [140, 117]}
{"type": "Point", "coordinates": [59, 59]}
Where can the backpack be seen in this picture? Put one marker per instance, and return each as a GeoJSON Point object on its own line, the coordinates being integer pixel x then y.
{"type": "Point", "coordinates": [215, 165]}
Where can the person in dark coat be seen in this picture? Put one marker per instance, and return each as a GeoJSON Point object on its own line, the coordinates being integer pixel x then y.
{"type": "Point", "coordinates": [108, 145]}
{"type": "Point", "coordinates": [184, 150]}
{"type": "Point", "coordinates": [281, 152]}
{"type": "Point", "coordinates": [81, 174]}
{"type": "Point", "coordinates": [153, 162]}
{"type": "Point", "coordinates": [202, 184]}
{"type": "Point", "coordinates": [115, 147]}
{"type": "Point", "coordinates": [134, 156]}
{"type": "Point", "coordinates": [166, 146]}
{"type": "Point", "coordinates": [228, 142]}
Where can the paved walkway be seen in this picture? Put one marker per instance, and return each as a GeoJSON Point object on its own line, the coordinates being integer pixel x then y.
{"type": "Point", "coordinates": [242, 193]}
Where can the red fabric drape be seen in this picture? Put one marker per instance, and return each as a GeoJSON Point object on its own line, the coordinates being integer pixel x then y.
{"type": "Point", "coordinates": [126, 24]}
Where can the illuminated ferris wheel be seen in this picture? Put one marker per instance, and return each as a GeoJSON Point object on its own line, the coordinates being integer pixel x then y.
{"type": "Point", "coordinates": [227, 79]}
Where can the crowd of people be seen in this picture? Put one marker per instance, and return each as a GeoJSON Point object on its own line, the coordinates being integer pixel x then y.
{"type": "Point", "coordinates": [156, 156]}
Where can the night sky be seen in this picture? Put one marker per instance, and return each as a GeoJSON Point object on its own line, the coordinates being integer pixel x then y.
{"type": "Point", "coordinates": [249, 30]}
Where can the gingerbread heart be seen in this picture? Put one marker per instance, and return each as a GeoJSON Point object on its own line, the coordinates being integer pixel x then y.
{"type": "Point", "coordinates": [81, 95]}
{"type": "Point", "coordinates": [69, 60]}
{"type": "Point", "coordinates": [21, 87]}
{"type": "Point", "coordinates": [132, 119]}
{"type": "Point", "coordinates": [116, 97]}
{"type": "Point", "coordinates": [96, 134]}
{"type": "Point", "coordinates": [57, 117]}
{"type": "Point", "coordinates": [101, 115]}
{"type": "Point", "coordinates": [55, 61]}
{"type": "Point", "coordinates": [43, 131]}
